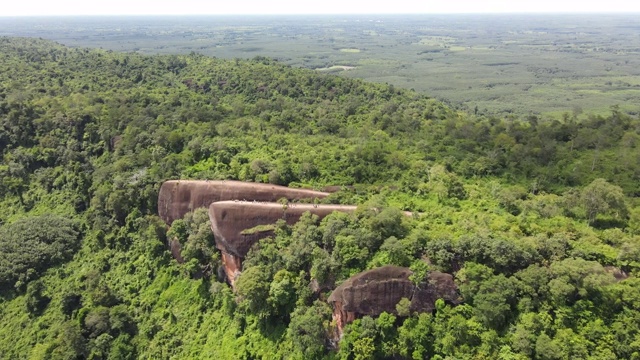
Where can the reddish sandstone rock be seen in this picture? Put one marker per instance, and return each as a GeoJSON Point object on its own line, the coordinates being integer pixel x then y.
{"type": "Point", "coordinates": [230, 221]}
{"type": "Point", "coordinates": [178, 197]}
{"type": "Point", "coordinates": [374, 291]}
{"type": "Point", "coordinates": [232, 266]}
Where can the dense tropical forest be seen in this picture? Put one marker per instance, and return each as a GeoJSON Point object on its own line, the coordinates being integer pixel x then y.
{"type": "Point", "coordinates": [538, 219]}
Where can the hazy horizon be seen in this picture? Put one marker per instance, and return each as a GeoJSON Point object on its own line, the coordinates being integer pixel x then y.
{"type": "Point", "coordinates": [326, 14]}
{"type": "Point", "coordinates": [33, 8]}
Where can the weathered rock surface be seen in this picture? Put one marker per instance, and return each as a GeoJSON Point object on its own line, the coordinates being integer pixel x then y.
{"type": "Point", "coordinates": [374, 291]}
{"type": "Point", "coordinates": [176, 250]}
{"type": "Point", "coordinates": [178, 197]}
{"type": "Point", "coordinates": [231, 219]}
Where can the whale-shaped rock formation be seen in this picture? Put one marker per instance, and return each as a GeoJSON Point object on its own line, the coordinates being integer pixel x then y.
{"type": "Point", "coordinates": [178, 197]}
{"type": "Point", "coordinates": [231, 220]}
{"type": "Point", "coordinates": [379, 290]}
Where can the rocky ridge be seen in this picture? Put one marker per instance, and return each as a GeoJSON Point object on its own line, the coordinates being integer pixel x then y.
{"type": "Point", "coordinates": [241, 214]}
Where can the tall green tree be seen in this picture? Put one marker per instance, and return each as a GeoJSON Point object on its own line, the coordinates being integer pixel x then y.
{"type": "Point", "coordinates": [601, 197]}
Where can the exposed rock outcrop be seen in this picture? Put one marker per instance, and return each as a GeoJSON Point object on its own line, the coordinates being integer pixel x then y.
{"type": "Point", "coordinates": [178, 197]}
{"type": "Point", "coordinates": [379, 290]}
{"type": "Point", "coordinates": [176, 250]}
{"type": "Point", "coordinates": [236, 225]}
{"type": "Point", "coordinates": [617, 273]}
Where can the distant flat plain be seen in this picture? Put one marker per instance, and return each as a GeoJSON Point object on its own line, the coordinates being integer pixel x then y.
{"type": "Point", "coordinates": [497, 64]}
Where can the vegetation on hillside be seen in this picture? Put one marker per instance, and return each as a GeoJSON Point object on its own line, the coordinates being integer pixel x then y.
{"type": "Point", "coordinates": [488, 63]}
{"type": "Point", "coordinates": [538, 220]}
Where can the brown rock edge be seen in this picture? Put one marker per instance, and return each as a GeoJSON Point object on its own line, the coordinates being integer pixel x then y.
{"type": "Point", "coordinates": [231, 219]}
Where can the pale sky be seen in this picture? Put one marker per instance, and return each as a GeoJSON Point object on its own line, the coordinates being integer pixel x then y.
{"type": "Point", "coordinates": [202, 7]}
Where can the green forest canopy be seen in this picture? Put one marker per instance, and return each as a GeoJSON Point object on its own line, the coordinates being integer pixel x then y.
{"type": "Point", "coordinates": [538, 219]}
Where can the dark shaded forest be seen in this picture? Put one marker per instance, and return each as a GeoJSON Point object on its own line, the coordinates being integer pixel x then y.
{"type": "Point", "coordinates": [538, 220]}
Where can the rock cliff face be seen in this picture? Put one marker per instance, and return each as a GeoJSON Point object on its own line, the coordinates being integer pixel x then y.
{"type": "Point", "coordinates": [230, 221]}
{"type": "Point", "coordinates": [374, 291]}
{"type": "Point", "coordinates": [176, 197]}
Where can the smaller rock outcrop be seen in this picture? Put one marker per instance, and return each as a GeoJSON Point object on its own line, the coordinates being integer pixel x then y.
{"type": "Point", "coordinates": [379, 290]}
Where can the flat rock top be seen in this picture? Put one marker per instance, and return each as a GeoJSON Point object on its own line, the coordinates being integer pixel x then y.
{"type": "Point", "coordinates": [242, 185]}
{"type": "Point", "coordinates": [260, 205]}
{"type": "Point", "coordinates": [178, 197]}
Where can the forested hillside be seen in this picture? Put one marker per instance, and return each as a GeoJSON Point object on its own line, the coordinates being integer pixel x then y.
{"type": "Point", "coordinates": [537, 219]}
